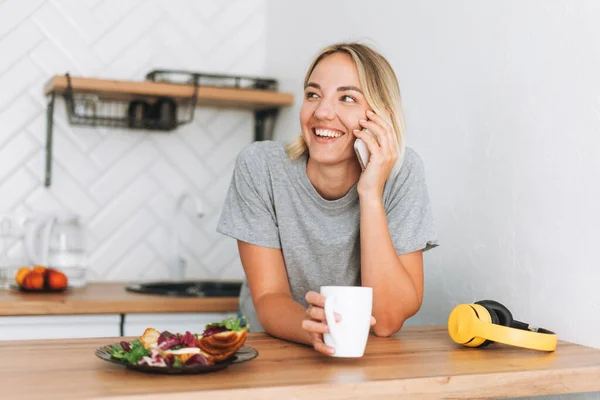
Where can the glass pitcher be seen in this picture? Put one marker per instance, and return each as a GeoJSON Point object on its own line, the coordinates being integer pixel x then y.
{"type": "Point", "coordinates": [58, 241]}
{"type": "Point", "coordinates": [66, 250]}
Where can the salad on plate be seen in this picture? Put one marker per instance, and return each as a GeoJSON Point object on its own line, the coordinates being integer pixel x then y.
{"type": "Point", "coordinates": [218, 343]}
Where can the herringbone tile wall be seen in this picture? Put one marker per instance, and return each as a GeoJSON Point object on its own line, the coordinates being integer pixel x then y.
{"type": "Point", "coordinates": [124, 183]}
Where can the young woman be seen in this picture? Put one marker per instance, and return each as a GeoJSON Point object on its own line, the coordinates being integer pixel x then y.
{"type": "Point", "coordinates": [306, 215]}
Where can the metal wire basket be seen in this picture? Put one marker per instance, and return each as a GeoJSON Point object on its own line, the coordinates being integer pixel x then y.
{"type": "Point", "coordinates": [128, 111]}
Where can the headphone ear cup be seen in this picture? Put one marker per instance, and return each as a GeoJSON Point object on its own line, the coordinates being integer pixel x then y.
{"type": "Point", "coordinates": [495, 320]}
{"type": "Point", "coordinates": [482, 314]}
{"type": "Point", "coordinates": [504, 315]}
{"type": "Point", "coordinates": [461, 322]}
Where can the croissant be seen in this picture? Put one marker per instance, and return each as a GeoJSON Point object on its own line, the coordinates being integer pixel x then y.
{"type": "Point", "coordinates": [222, 345]}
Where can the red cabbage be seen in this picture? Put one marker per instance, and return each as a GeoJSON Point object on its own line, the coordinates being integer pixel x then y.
{"type": "Point", "coordinates": [211, 330]}
{"type": "Point", "coordinates": [197, 359]}
{"type": "Point", "coordinates": [166, 342]}
{"type": "Point", "coordinates": [155, 359]}
{"type": "Point", "coordinates": [168, 361]}
{"type": "Point", "coordinates": [188, 340]}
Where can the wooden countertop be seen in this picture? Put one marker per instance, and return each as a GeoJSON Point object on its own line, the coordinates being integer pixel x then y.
{"type": "Point", "coordinates": [105, 298]}
{"type": "Point", "coordinates": [417, 363]}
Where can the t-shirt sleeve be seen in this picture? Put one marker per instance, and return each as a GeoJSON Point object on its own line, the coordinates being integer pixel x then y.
{"type": "Point", "coordinates": [248, 212]}
{"type": "Point", "coordinates": [408, 209]}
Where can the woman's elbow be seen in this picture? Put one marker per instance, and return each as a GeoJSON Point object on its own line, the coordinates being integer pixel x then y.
{"type": "Point", "coordinates": [394, 324]}
{"type": "Point", "coordinates": [385, 331]}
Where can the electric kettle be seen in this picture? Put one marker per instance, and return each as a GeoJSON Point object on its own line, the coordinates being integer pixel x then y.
{"type": "Point", "coordinates": [57, 241]}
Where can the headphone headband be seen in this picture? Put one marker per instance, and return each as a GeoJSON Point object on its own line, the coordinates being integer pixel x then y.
{"type": "Point", "coordinates": [517, 337]}
{"type": "Point", "coordinates": [467, 327]}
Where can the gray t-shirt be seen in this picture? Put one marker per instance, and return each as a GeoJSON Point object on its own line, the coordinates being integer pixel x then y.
{"type": "Point", "coordinates": [272, 203]}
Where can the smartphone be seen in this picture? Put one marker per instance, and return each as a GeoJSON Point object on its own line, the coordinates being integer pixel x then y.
{"type": "Point", "coordinates": [362, 151]}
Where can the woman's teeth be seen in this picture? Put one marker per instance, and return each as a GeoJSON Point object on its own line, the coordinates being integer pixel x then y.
{"type": "Point", "coordinates": [327, 133]}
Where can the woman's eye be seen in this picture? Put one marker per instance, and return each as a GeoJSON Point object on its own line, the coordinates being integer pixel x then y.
{"type": "Point", "coordinates": [311, 95]}
{"type": "Point", "coordinates": [348, 99]}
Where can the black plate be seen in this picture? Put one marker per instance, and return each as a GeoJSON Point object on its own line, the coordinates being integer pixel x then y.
{"type": "Point", "coordinates": [22, 289]}
{"type": "Point", "coordinates": [246, 353]}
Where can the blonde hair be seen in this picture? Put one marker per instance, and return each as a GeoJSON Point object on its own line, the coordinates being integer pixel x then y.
{"type": "Point", "coordinates": [379, 85]}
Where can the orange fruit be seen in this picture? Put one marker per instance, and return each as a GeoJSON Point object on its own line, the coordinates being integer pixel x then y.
{"type": "Point", "coordinates": [21, 273]}
{"type": "Point", "coordinates": [56, 279]}
{"type": "Point", "coordinates": [39, 268]}
{"type": "Point", "coordinates": [34, 281]}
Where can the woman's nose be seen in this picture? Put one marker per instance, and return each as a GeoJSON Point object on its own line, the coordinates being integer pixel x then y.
{"type": "Point", "coordinates": [324, 111]}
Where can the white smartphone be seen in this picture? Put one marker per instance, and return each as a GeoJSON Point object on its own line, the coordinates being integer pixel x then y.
{"type": "Point", "coordinates": [362, 151]}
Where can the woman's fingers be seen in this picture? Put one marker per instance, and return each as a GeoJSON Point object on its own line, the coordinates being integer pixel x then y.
{"type": "Point", "coordinates": [314, 326]}
{"type": "Point", "coordinates": [321, 347]}
{"type": "Point", "coordinates": [385, 134]}
{"type": "Point", "coordinates": [384, 138]}
{"type": "Point", "coordinates": [316, 313]}
{"type": "Point", "coordinates": [316, 299]}
{"type": "Point", "coordinates": [316, 331]}
{"type": "Point", "coordinates": [370, 140]}
{"type": "Point", "coordinates": [316, 309]}
{"type": "Point", "coordinates": [316, 322]}
{"type": "Point", "coordinates": [380, 121]}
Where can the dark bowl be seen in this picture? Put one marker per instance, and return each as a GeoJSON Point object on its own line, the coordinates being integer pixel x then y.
{"type": "Point", "coordinates": [188, 288]}
{"type": "Point", "coordinates": [43, 290]}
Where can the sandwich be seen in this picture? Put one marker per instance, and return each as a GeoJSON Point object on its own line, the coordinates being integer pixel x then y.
{"type": "Point", "coordinates": [221, 340]}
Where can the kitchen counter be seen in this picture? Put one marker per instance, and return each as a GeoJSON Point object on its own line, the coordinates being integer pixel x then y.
{"type": "Point", "coordinates": [417, 363]}
{"type": "Point", "coordinates": [106, 298]}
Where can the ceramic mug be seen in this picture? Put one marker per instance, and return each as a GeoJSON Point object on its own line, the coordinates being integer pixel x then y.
{"type": "Point", "coordinates": [354, 304]}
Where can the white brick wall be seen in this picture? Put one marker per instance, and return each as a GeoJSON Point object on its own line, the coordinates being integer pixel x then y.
{"type": "Point", "coordinates": [124, 183]}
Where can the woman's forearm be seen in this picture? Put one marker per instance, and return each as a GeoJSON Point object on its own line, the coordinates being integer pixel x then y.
{"type": "Point", "coordinates": [281, 316]}
{"type": "Point", "coordinates": [395, 297]}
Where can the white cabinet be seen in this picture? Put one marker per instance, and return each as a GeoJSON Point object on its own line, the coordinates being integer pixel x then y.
{"type": "Point", "coordinates": [136, 324]}
{"type": "Point", "coordinates": [89, 326]}
{"type": "Point", "coordinates": [58, 326]}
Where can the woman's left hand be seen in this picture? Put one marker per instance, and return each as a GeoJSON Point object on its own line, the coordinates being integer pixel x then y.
{"type": "Point", "coordinates": [384, 153]}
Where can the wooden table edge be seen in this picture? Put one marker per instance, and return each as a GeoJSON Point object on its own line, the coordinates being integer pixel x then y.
{"type": "Point", "coordinates": [492, 385]}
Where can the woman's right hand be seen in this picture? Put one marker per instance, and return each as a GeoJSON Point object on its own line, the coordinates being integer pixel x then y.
{"type": "Point", "coordinates": [315, 322]}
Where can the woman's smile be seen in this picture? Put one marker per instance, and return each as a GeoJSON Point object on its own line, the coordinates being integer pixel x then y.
{"type": "Point", "coordinates": [326, 135]}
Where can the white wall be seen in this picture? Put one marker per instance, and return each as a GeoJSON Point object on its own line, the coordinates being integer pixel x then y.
{"type": "Point", "coordinates": [502, 102]}
{"type": "Point", "coordinates": [124, 183]}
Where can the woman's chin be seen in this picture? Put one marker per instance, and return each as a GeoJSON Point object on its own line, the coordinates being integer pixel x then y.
{"type": "Point", "coordinates": [327, 158]}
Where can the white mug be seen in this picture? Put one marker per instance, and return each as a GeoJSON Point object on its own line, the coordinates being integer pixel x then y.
{"type": "Point", "coordinates": [354, 304]}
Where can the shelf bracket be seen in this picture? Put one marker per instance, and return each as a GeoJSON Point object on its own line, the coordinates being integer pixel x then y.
{"type": "Point", "coordinates": [261, 117]}
{"type": "Point", "coordinates": [49, 126]}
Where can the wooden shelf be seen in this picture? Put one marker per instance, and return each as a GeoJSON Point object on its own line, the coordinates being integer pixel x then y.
{"type": "Point", "coordinates": [264, 103]}
{"type": "Point", "coordinates": [207, 96]}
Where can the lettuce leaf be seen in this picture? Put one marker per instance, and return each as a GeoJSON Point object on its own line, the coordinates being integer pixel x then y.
{"type": "Point", "coordinates": [117, 352]}
{"type": "Point", "coordinates": [132, 356]}
{"type": "Point", "coordinates": [177, 363]}
{"type": "Point", "coordinates": [137, 352]}
{"type": "Point", "coordinates": [232, 324]}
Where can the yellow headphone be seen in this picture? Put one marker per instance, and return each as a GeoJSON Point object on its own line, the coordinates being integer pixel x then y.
{"type": "Point", "coordinates": [487, 321]}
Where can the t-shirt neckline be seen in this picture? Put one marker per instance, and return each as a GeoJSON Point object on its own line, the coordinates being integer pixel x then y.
{"type": "Point", "coordinates": [342, 202]}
